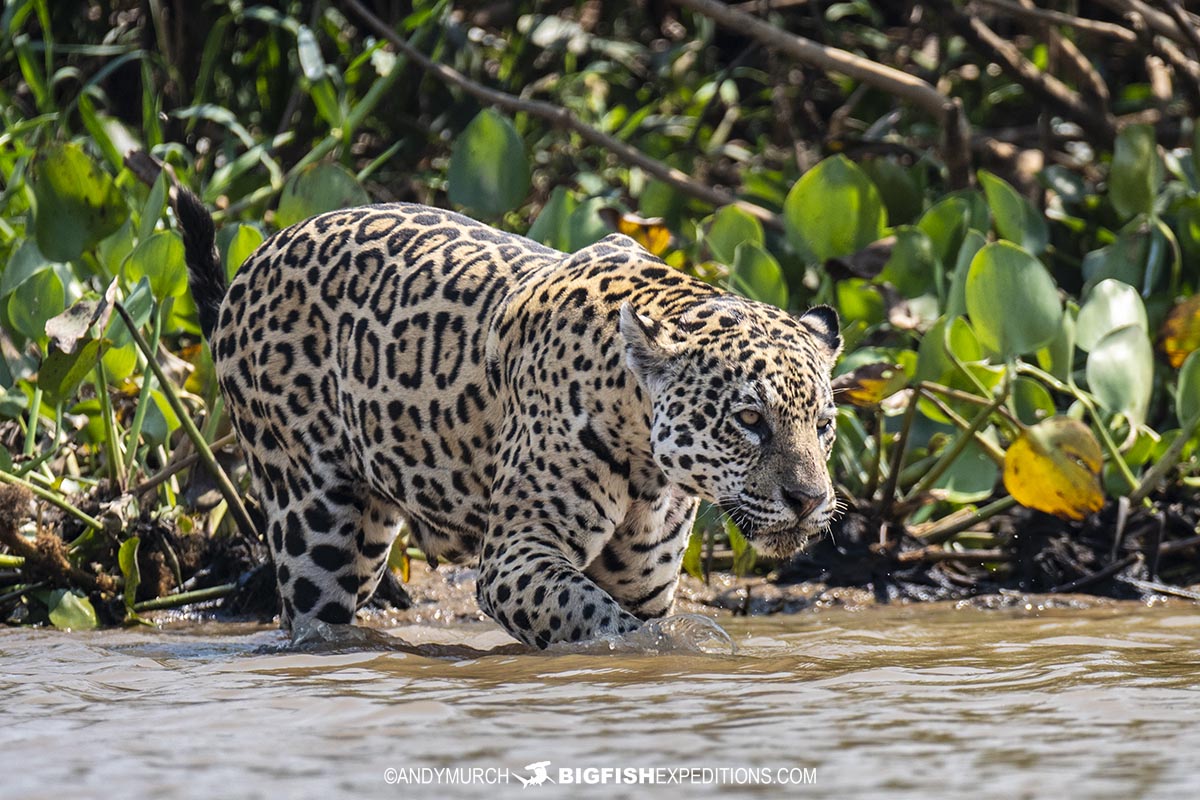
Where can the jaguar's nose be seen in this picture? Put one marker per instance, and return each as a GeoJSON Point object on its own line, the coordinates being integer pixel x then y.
{"type": "Point", "coordinates": [804, 501]}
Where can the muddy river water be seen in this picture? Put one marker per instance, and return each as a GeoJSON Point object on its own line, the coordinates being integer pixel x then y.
{"type": "Point", "coordinates": [926, 701]}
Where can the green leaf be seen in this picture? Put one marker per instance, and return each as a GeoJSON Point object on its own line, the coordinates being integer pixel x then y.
{"type": "Point", "coordinates": [973, 475]}
{"type": "Point", "coordinates": [692, 555]}
{"type": "Point", "coordinates": [585, 226]}
{"type": "Point", "coordinates": [1058, 357]}
{"type": "Point", "coordinates": [156, 202]}
{"type": "Point", "coordinates": [912, 268]}
{"type": "Point", "coordinates": [1120, 372]}
{"type": "Point", "coordinates": [160, 259]}
{"type": "Point", "coordinates": [1012, 300]}
{"type": "Point", "coordinates": [317, 189]}
{"type": "Point", "coordinates": [127, 561]}
{"type": "Point", "coordinates": [489, 171]}
{"type": "Point", "coordinates": [235, 243]}
{"type": "Point", "coordinates": [956, 299]}
{"type": "Point", "coordinates": [731, 226]}
{"type": "Point", "coordinates": [756, 274]}
{"type": "Point", "coordinates": [1031, 401]}
{"type": "Point", "coordinates": [61, 373]}
{"type": "Point", "coordinates": [1187, 399]}
{"type": "Point", "coordinates": [25, 262]}
{"type": "Point", "coordinates": [71, 610]}
{"type": "Point", "coordinates": [1111, 305]}
{"type": "Point", "coordinates": [77, 203]}
{"type": "Point", "coordinates": [945, 223]}
{"type": "Point", "coordinates": [552, 226]}
{"type": "Point", "coordinates": [833, 210]}
{"type": "Point", "coordinates": [34, 303]}
{"type": "Point", "coordinates": [743, 552]}
{"type": "Point", "coordinates": [1016, 219]}
{"type": "Point", "coordinates": [900, 192]}
{"type": "Point", "coordinates": [1137, 171]}
{"type": "Point", "coordinates": [1125, 259]}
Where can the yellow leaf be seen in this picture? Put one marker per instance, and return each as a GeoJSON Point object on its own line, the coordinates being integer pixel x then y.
{"type": "Point", "coordinates": [868, 385]}
{"type": "Point", "coordinates": [1054, 466]}
{"type": "Point", "coordinates": [651, 233]}
{"type": "Point", "coordinates": [1180, 332]}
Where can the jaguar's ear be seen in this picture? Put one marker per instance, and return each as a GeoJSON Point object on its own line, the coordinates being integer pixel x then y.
{"type": "Point", "coordinates": [822, 322]}
{"type": "Point", "coordinates": [649, 349]}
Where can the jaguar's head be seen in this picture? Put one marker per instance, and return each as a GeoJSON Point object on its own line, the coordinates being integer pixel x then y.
{"type": "Point", "coordinates": [741, 411]}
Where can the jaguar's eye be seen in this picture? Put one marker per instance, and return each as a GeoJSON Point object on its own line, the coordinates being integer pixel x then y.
{"type": "Point", "coordinates": [749, 417]}
{"type": "Point", "coordinates": [824, 426]}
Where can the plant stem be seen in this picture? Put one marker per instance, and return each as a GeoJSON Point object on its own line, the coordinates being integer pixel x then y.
{"type": "Point", "coordinates": [940, 533]}
{"type": "Point", "coordinates": [52, 499]}
{"type": "Point", "coordinates": [35, 410]}
{"type": "Point", "coordinates": [954, 451]}
{"type": "Point", "coordinates": [11, 562]}
{"type": "Point", "coordinates": [889, 489]}
{"type": "Point", "coordinates": [1165, 464]}
{"type": "Point", "coordinates": [186, 598]}
{"type": "Point", "coordinates": [144, 398]}
{"type": "Point", "coordinates": [240, 516]}
{"type": "Point", "coordinates": [990, 449]}
{"type": "Point", "coordinates": [116, 462]}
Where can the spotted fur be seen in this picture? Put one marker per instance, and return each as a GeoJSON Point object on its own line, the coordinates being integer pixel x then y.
{"type": "Point", "coordinates": [553, 417]}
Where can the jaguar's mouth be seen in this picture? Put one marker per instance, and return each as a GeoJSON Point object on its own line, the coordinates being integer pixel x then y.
{"type": "Point", "coordinates": [780, 539]}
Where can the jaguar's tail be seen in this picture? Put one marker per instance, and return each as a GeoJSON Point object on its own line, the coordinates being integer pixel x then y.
{"type": "Point", "coordinates": [205, 274]}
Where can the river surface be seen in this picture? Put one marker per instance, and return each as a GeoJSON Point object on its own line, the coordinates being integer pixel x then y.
{"type": "Point", "coordinates": [921, 701]}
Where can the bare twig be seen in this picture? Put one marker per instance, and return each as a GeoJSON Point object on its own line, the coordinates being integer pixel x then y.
{"type": "Point", "coordinates": [934, 555]}
{"type": "Point", "coordinates": [1108, 30]}
{"type": "Point", "coordinates": [563, 118]}
{"type": "Point", "coordinates": [1095, 577]}
{"type": "Point", "coordinates": [946, 110]}
{"type": "Point", "coordinates": [1185, 24]}
{"type": "Point", "coordinates": [1160, 21]}
{"type": "Point", "coordinates": [1049, 88]}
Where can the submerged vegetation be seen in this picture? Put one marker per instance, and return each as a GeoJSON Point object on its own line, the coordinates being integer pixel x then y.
{"type": "Point", "coordinates": [1002, 201]}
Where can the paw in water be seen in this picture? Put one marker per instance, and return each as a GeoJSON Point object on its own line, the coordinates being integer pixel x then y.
{"type": "Point", "coordinates": [317, 635]}
{"type": "Point", "coordinates": [686, 633]}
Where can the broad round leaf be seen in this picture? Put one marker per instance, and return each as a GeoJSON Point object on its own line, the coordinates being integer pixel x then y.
{"type": "Point", "coordinates": [945, 223]}
{"type": "Point", "coordinates": [551, 226]}
{"type": "Point", "coordinates": [159, 259]}
{"type": "Point", "coordinates": [731, 226]}
{"type": "Point", "coordinates": [972, 477]}
{"type": "Point", "coordinates": [1016, 219]}
{"type": "Point", "coordinates": [757, 275]}
{"type": "Point", "coordinates": [1126, 259]}
{"type": "Point", "coordinates": [34, 303]}
{"type": "Point", "coordinates": [912, 267]}
{"type": "Point", "coordinates": [25, 262]}
{"type": "Point", "coordinates": [489, 171]}
{"type": "Point", "coordinates": [1012, 300]}
{"type": "Point", "coordinates": [1111, 305]}
{"type": "Point", "coordinates": [1179, 336]}
{"type": "Point", "coordinates": [1120, 372]}
{"type": "Point", "coordinates": [1054, 467]}
{"type": "Point", "coordinates": [1187, 399]}
{"type": "Point", "coordinates": [317, 189]}
{"type": "Point", "coordinates": [77, 203]}
{"type": "Point", "coordinates": [1031, 401]}
{"type": "Point", "coordinates": [1058, 357]}
{"type": "Point", "coordinates": [235, 243]}
{"type": "Point", "coordinates": [71, 610]}
{"type": "Point", "coordinates": [956, 296]}
{"type": "Point", "coordinates": [833, 210]}
{"type": "Point", "coordinates": [1136, 173]}
{"type": "Point", "coordinates": [900, 192]}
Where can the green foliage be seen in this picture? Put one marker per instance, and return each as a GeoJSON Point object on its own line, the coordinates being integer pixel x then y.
{"type": "Point", "coordinates": [833, 210]}
{"type": "Point", "coordinates": [489, 172]}
{"type": "Point", "coordinates": [988, 310]}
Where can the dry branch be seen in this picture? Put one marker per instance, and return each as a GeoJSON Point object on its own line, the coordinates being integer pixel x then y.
{"type": "Point", "coordinates": [1047, 17]}
{"type": "Point", "coordinates": [946, 110]}
{"type": "Point", "coordinates": [560, 117]}
{"type": "Point", "coordinates": [1101, 126]}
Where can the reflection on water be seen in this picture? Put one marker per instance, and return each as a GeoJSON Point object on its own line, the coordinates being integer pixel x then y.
{"type": "Point", "coordinates": [918, 701]}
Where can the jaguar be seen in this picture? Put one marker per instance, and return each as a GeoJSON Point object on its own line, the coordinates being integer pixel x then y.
{"type": "Point", "coordinates": [553, 418]}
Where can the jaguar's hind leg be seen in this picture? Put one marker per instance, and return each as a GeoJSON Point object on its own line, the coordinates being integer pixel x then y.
{"type": "Point", "coordinates": [329, 542]}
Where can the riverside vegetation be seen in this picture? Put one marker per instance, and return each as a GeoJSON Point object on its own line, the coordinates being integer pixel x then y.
{"type": "Point", "coordinates": [1002, 201]}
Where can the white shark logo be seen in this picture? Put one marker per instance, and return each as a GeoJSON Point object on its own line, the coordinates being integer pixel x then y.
{"type": "Point", "coordinates": [539, 777]}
